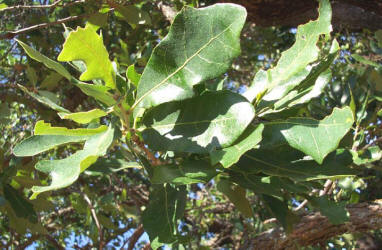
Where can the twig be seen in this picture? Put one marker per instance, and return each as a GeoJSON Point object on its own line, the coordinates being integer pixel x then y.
{"type": "Point", "coordinates": [94, 215]}
{"type": "Point", "coordinates": [12, 34]}
{"type": "Point", "coordinates": [135, 237]}
{"type": "Point", "coordinates": [327, 187]}
{"type": "Point", "coordinates": [55, 4]}
{"type": "Point", "coordinates": [371, 144]}
{"type": "Point", "coordinates": [154, 161]}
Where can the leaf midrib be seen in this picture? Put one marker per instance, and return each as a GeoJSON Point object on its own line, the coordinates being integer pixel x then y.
{"type": "Point", "coordinates": [180, 68]}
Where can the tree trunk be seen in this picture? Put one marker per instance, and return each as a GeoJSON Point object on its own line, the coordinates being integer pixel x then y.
{"type": "Point", "coordinates": [351, 14]}
{"type": "Point", "coordinates": [315, 228]}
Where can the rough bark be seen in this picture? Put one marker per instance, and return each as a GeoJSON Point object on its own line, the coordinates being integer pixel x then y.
{"type": "Point", "coordinates": [315, 228]}
{"type": "Point", "coordinates": [351, 14]}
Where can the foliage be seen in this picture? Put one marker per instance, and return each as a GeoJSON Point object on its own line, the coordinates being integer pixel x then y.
{"type": "Point", "coordinates": [141, 128]}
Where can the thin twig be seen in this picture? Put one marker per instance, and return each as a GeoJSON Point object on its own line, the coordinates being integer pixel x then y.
{"type": "Point", "coordinates": [379, 139]}
{"type": "Point", "coordinates": [94, 215]}
{"type": "Point", "coordinates": [12, 34]}
{"type": "Point", "coordinates": [327, 188]}
{"type": "Point", "coordinates": [55, 4]}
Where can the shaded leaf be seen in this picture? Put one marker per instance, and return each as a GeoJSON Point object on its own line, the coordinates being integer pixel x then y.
{"type": "Point", "coordinates": [199, 125]}
{"type": "Point", "coordinates": [237, 196]}
{"type": "Point", "coordinates": [290, 163]}
{"type": "Point", "coordinates": [40, 143]}
{"type": "Point", "coordinates": [108, 166]}
{"type": "Point", "coordinates": [132, 14]}
{"type": "Point", "coordinates": [200, 45]}
{"type": "Point", "coordinates": [86, 45]}
{"type": "Point", "coordinates": [21, 207]}
{"type": "Point", "coordinates": [34, 54]}
{"type": "Point", "coordinates": [44, 100]}
{"type": "Point", "coordinates": [335, 211]}
{"type": "Point", "coordinates": [98, 92]}
{"type": "Point", "coordinates": [51, 81]}
{"type": "Point", "coordinates": [188, 172]}
{"type": "Point", "coordinates": [166, 206]}
{"type": "Point", "coordinates": [280, 210]}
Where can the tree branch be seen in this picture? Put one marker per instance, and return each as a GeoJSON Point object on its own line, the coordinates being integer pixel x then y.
{"type": "Point", "coordinates": [135, 237]}
{"type": "Point", "coordinates": [12, 34]}
{"type": "Point", "coordinates": [315, 228]}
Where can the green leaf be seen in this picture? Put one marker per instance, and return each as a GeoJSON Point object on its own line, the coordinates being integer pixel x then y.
{"type": "Point", "coordinates": [20, 206]}
{"type": "Point", "coordinates": [97, 21]}
{"type": "Point", "coordinates": [230, 155]}
{"type": "Point", "coordinates": [280, 210]}
{"type": "Point", "coordinates": [133, 15]}
{"type": "Point", "coordinates": [336, 212]}
{"type": "Point", "coordinates": [365, 61]}
{"type": "Point", "coordinates": [66, 171]}
{"type": "Point", "coordinates": [132, 75]}
{"type": "Point", "coordinates": [290, 163]}
{"type": "Point", "coordinates": [32, 75]}
{"type": "Point", "coordinates": [187, 172]}
{"type": "Point", "coordinates": [199, 125]}
{"type": "Point", "coordinates": [51, 81]}
{"type": "Point", "coordinates": [34, 54]}
{"type": "Point", "coordinates": [312, 136]}
{"type": "Point", "coordinates": [368, 155]}
{"type": "Point", "coordinates": [44, 100]}
{"type": "Point", "coordinates": [83, 117]}
{"type": "Point", "coordinates": [86, 45]}
{"type": "Point", "coordinates": [166, 206]}
{"type": "Point", "coordinates": [291, 68]}
{"type": "Point", "coordinates": [237, 196]}
{"type": "Point", "coordinates": [109, 166]}
{"type": "Point", "coordinates": [312, 86]}
{"type": "Point", "coordinates": [42, 128]}
{"type": "Point", "coordinates": [40, 143]}
{"type": "Point", "coordinates": [200, 45]}
{"type": "Point", "coordinates": [99, 92]}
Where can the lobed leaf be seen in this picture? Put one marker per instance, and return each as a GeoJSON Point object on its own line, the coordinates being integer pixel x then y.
{"type": "Point", "coordinates": [66, 171]}
{"type": "Point", "coordinates": [313, 137]}
{"type": "Point", "coordinates": [291, 69]}
{"type": "Point", "coordinates": [86, 45]}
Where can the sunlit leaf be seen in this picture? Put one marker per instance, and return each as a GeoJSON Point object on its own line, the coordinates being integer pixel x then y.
{"type": "Point", "coordinates": [313, 137]}
{"type": "Point", "coordinates": [291, 67]}
{"type": "Point", "coordinates": [42, 128]}
{"type": "Point", "coordinates": [200, 45]}
{"type": "Point", "coordinates": [66, 171]}
{"type": "Point", "coordinates": [86, 45]}
{"type": "Point", "coordinates": [230, 155]}
{"type": "Point", "coordinates": [83, 117]}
